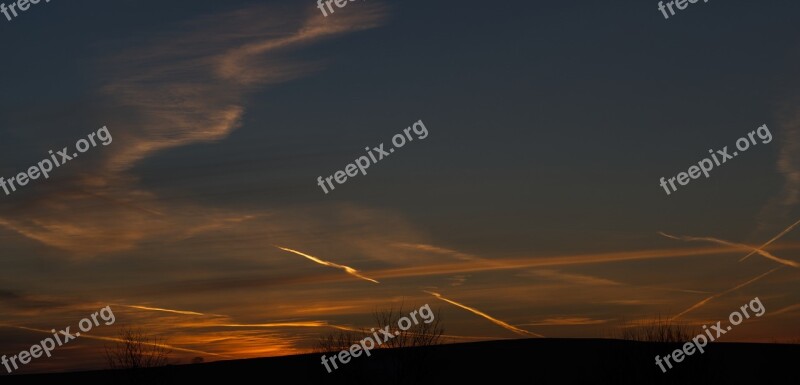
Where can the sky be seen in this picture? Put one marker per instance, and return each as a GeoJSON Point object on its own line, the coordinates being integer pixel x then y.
{"type": "Point", "coordinates": [534, 199]}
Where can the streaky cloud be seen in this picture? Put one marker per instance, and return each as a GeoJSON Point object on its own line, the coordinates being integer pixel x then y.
{"type": "Point", "coordinates": [113, 339]}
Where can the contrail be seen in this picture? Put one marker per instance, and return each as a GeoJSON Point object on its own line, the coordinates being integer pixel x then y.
{"type": "Point", "coordinates": [763, 253]}
{"type": "Point", "coordinates": [184, 312]}
{"type": "Point", "coordinates": [484, 315]}
{"type": "Point", "coordinates": [309, 324]}
{"type": "Point", "coordinates": [785, 310]}
{"type": "Point", "coordinates": [544, 261]}
{"type": "Point", "coordinates": [121, 203]}
{"type": "Point", "coordinates": [775, 238]}
{"type": "Point", "coordinates": [348, 269]}
{"type": "Point", "coordinates": [737, 287]}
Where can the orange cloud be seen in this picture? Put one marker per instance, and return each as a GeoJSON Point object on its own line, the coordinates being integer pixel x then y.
{"type": "Point", "coordinates": [181, 88]}
{"type": "Point", "coordinates": [567, 321]}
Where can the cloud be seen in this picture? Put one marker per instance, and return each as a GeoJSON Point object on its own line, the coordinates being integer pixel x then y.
{"type": "Point", "coordinates": [577, 279]}
{"type": "Point", "coordinates": [566, 321]}
{"type": "Point", "coordinates": [438, 250]}
{"type": "Point", "coordinates": [190, 88]}
{"type": "Point", "coordinates": [780, 206]}
{"type": "Point", "coordinates": [787, 309]}
{"type": "Point", "coordinates": [186, 85]}
{"type": "Point", "coordinates": [458, 280]}
{"type": "Point", "coordinates": [113, 339]}
{"type": "Point", "coordinates": [24, 302]}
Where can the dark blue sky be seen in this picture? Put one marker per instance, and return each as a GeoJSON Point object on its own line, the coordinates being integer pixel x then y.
{"type": "Point", "coordinates": [550, 125]}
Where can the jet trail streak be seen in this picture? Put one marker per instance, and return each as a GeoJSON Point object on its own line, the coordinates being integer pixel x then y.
{"type": "Point", "coordinates": [184, 312]}
{"type": "Point", "coordinates": [761, 252]}
{"type": "Point", "coordinates": [775, 238]}
{"type": "Point", "coordinates": [484, 315]}
{"type": "Point", "coordinates": [737, 287]}
{"type": "Point", "coordinates": [347, 269]}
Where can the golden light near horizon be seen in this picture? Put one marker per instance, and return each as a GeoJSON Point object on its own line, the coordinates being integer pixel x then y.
{"type": "Point", "coordinates": [179, 168]}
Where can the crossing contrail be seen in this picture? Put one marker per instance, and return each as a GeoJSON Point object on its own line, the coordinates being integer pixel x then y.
{"type": "Point", "coordinates": [761, 252]}
{"type": "Point", "coordinates": [775, 238]}
{"type": "Point", "coordinates": [737, 287]}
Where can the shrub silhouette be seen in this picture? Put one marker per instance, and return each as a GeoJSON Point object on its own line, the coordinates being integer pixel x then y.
{"type": "Point", "coordinates": [656, 330]}
{"type": "Point", "coordinates": [136, 350]}
{"type": "Point", "coordinates": [411, 361]}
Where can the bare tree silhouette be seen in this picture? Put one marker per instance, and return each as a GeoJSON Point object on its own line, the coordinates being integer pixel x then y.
{"type": "Point", "coordinates": [411, 361]}
{"type": "Point", "coordinates": [420, 334]}
{"type": "Point", "coordinates": [656, 330]}
{"type": "Point", "coordinates": [136, 350]}
{"type": "Point", "coordinates": [338, 341]}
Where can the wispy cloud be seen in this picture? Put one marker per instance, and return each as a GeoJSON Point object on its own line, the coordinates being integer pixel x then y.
{"type": "Point", "coordinates": [567, 321]}
{"type": "Point", "coordinates": [113, 339]}
{"type": "Point", "coordinates": [438, 250]}
{"type": "Point", "coordinates": [188, 84]}
{"type": "Point", "coordinates": [577, 279]}
{"type": "Point", "coordinates": [788, 164]}
{"type": "Point", "coordinates": [787, 309]}
{"type": "Point", "coordinates": [458, 280]}
{"type": "Point", "coordinates": [190, 88]}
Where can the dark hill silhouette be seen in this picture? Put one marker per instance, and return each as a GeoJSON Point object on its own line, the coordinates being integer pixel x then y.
{"type": "Point", "coordinates": [529, 361]}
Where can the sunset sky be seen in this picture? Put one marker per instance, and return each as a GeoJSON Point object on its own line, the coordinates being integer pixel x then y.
{"type": "Point", "coordinates": [533, 208]}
